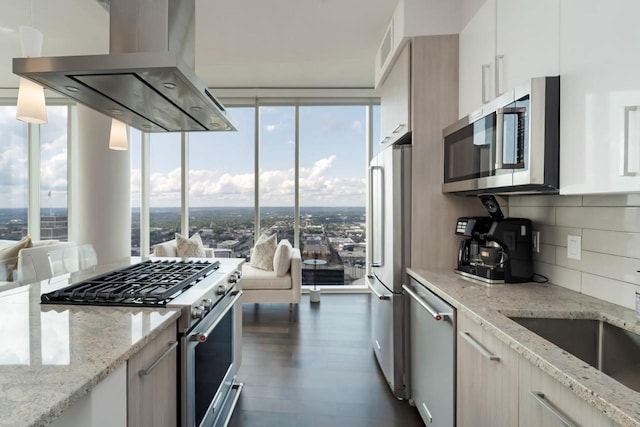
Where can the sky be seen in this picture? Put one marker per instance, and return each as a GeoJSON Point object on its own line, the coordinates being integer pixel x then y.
{"type": "Point", "coordinates": [332, 160]}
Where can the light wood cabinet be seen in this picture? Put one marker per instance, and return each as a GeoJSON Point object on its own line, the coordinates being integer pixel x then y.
{"type": "Point", "coordinates": [487, 378]}
{"type": "Point", "coordinates": [395, 99]}
{"type": "Point", "coordinates": [505, 43]}
{"type": "Point", "coordinates": [545, 402]}
{"type": "Point", "coordinates": [152, 388]}
{"type": "Point", "coordinates": [600, 97]}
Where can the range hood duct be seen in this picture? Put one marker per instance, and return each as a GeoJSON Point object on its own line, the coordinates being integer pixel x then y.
{"type": "Point", "coordinates": [147, 79]}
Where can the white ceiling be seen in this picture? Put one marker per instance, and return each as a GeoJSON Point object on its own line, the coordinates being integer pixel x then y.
{"type": "Point", "coordinates": [239, 43]}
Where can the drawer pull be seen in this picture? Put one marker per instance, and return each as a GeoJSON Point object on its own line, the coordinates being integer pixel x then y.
{"type": "Point", "coordinates": [397, 128]}
{"type": "Point", "coordinates": [475, 344]}
{"type": "Point", "coordinates": [424, 406]}
{"type": "Point", "coordinates": [542, 400]}
{"type": "Point", "coordinates": [145, 372]}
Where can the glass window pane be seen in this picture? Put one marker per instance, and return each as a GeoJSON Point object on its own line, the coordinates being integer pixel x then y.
{"type": "Point", "coordinates": [277, 170]}
{"type": "Point", "coordinates": [332, 193]}
{"type": "Point", "coordinates": [221, 186]}
{"type": "Point", "coordinates": [164, 200]}
{"type": "Point", "coordinates": [14, 166]}
{"type": "Point", "coordinates": [135, 147]}
{"type": "Point", "coordinates": [53, 175]}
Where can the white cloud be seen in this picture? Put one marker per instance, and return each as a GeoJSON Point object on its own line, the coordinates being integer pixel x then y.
{"type": "Point", "coordinates": [356, 125]}
{"type": "Point", "coordinates": [270, 128]}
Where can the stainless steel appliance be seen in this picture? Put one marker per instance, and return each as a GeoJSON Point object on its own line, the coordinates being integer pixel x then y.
{"type": "Point", "coordinates": [497, 249]}
{"type": "Point", "coordinates": [206, 294]}
{"type": "Point", "coordinates": [390, 248]}
{"type": "Point", "coordinates": [432, 352]}
{"type": "Point", "coordinates": [510, 145]}
{"type": "Point", "coordinates": [147, 80]}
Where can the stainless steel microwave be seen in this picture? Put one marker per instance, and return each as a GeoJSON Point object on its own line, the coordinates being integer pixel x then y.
{"type": "Point", "coordinates": [510, 145]}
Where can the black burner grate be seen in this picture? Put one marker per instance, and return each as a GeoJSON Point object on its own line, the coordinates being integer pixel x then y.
{"type": "Point", "coordinates": [149, 283]}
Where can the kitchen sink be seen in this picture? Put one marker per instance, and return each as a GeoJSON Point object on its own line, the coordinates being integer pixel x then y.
{"type": "Point", "coordinates": [612, 350]}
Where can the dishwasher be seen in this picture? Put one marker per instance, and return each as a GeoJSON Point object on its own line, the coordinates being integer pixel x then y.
{"type": "Point", "coordinates": [431, 348]}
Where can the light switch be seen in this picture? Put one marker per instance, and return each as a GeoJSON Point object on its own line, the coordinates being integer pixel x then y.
{"type": "Point", "coordinates": [574, 247]}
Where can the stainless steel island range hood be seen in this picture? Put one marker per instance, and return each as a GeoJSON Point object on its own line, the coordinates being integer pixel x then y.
{"type": "Point", "coordinates": [147, 79]}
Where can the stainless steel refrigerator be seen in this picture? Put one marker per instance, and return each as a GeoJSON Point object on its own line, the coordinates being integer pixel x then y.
{"type": "Point", "coordinates": [390, 247]}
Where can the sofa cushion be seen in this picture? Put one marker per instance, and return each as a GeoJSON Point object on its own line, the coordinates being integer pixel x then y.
{"type": "Point", "coordinates": [282, 258]}
{"type": "Point", "coordinates": [9, 258]}
{"type": "Point", "coordinates": [255, 278]}
{"type": "Point", "coordinates": [191, 247]}
{"type": "Point", "coordinates": [263, 252]}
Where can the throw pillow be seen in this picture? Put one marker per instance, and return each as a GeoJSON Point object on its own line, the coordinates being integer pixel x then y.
{"type": "Point", "coordinates": [9, 258]}
{"type": "Point", "coordinates": [263, 251]}
{"type": "Point", "coordinates": [282, 258]}
{"type": "Point", "coordinates": [192, 247]}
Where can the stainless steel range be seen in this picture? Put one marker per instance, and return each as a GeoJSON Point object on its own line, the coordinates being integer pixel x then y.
{"type": "Point", "coordinates": [205, 292]}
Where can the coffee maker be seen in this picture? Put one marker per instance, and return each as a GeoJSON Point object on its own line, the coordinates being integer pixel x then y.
{"type": "Point", "coordinates": [497, 249]}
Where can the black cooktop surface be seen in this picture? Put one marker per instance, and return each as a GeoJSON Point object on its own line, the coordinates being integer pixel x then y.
{"type": "Point", "coordinates": [149, 283]}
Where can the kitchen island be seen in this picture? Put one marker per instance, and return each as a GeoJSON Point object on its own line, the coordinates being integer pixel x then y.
{"type": "Point", "coordinates": [53, 355]}
{"type": "Point", "coordinates": [490, 308]}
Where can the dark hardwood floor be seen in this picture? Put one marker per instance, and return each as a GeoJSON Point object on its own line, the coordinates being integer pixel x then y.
{"type": "Point", "coordinates": [314, 367]}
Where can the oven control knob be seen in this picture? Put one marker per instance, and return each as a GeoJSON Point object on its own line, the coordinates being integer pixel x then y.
{"type": "Point", "coordinates": [207, 303]}
{"type": "Point", "coordinates": [197, 312]}
{"type": "Point", "coordinates": [233, 278]}
{"type": "Point", "coordinates": [221, 290]}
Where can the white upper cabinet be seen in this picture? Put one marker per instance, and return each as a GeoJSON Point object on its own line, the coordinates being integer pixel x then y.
{"type": "Point", "coordinates": [395, 99]}
{"type": "Point", "coordinates": [504, 44]}
{"type": "Point", "coordinates": [527, 43]}
{"type": "Point", "coordinates": [600, 96]}
{"type": "Point", "coordinates": [477, 59]}
{"type": "Point", "coordinates": [414, 18]}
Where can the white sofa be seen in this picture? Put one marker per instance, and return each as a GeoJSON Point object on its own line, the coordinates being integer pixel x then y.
{"type": "Point", "coordinates": [261, 286]}
{"type": "Point", "coordinates": [169, 249]}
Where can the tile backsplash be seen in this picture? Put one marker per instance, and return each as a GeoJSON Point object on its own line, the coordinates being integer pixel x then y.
{"type": "Point", "coordinates": [609, 226]}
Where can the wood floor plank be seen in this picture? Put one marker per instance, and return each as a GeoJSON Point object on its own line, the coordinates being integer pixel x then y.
{"type": "Point", "coordinates": [314, 367]}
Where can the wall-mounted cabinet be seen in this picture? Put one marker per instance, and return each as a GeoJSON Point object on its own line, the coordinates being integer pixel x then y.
{"type": "Point", "coordinates": [414, 18]}
{"type": "Point", "coordinates": [600, 97]}
{"type": "Point", "coordinates": [395, 99]}
{"type": "Point", "coordinates": [504, 44]}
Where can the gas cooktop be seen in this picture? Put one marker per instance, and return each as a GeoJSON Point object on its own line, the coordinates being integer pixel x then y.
{"type": "Point", "coordinates": [149, 283]}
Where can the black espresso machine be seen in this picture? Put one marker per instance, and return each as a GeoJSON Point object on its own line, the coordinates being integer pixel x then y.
{"type": "Point", "coordinates": [497, 249]}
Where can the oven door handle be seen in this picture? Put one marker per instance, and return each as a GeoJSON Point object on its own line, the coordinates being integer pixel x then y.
{"type": "Point", "coordinates": [203, 336]}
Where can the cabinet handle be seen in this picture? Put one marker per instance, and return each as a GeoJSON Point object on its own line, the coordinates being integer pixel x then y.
{"type": "Point", "coordinates": [397, 128]}
{"type": "Point", "coordinates": [145, 372]}
{"type": "Point", "coordinates": [424, 405]}
{"type": "Point", "coordinates": [542, 401]}
{"type": "Point", "coordinates": [385, 139]}
{"type": "Point", "coordinates": [430, 310]}
{"type": "Point", "coordinates": [624, 149]}
{"type": "Point", "coordinates": [378, 295]}
{"type": "Point", "coordinates": [485, 69]}
{"type": "Point", "coordinates": [499, 74]}
{"type": "Point", "coordinates": [475, 344]}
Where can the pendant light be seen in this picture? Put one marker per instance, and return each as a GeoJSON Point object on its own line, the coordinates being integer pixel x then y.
{"type": "Point", "coordinates": [31, 107]}
{"type": "Point", "coordinates": [118, 136]}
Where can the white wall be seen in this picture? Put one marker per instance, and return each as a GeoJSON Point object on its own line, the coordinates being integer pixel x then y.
{"type": "Point", "coordinates": [609, 226]}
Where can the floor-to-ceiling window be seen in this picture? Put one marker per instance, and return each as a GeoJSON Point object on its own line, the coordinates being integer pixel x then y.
{"type": "Point", "coordinates": [14, 167]}
{"type": "Point", "coordinates": [221, 186]}
{"type": "Point", "coordinates": [333, 192]}
{"type": "Point", "coordinates": [166, 186]}
{"type": "Point", "coordinates": [53, 175]}
{"type": "Point", "coordinates": [277, 170]}
{"type": "Point", "coordinates": [135, 146]}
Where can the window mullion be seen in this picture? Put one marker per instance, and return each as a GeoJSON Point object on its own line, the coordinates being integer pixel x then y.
{"type": "Point", "coordinates": [34, 181]}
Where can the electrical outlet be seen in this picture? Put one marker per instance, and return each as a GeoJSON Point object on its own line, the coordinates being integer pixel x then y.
{"type": "Point", "coordinates": [536, 241]}
{"type": "Point", "coordinates": [574, 249]}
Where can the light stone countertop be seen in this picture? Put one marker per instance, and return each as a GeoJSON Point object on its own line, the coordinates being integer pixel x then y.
{"type": "Point", "coordinates": [489, 306]}
{"type": "Point", "coordinates": [52, 355]}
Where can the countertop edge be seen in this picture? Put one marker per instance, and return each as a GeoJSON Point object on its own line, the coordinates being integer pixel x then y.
{"type": "Point", "coordinates": [582, 390]}
{"type": "Point", "coordinates": [58, 408]}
